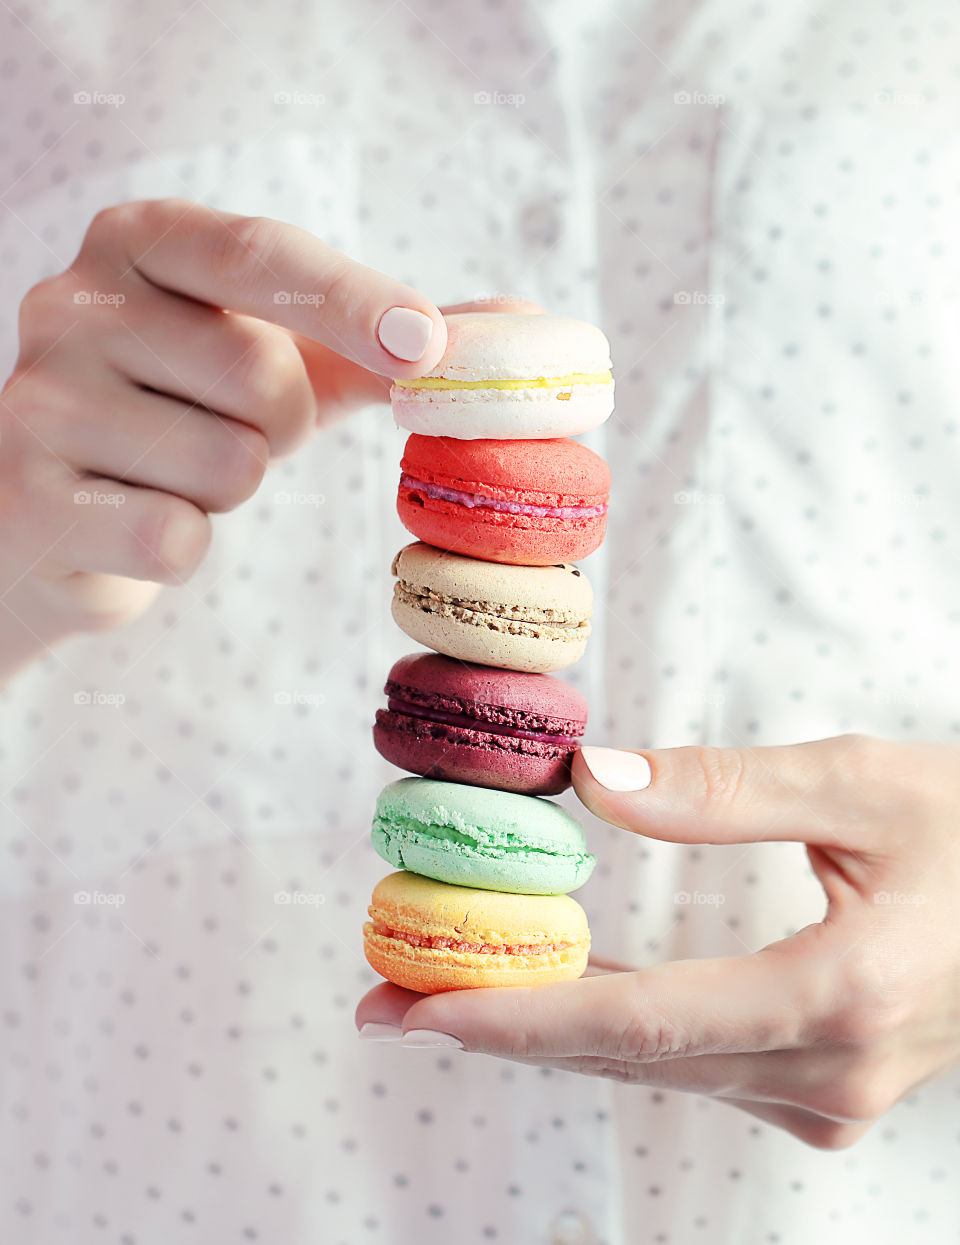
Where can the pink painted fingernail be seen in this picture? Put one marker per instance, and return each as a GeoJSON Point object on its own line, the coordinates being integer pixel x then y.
{"type": "Point", "coordinates": [375, 1031]}
{"type": "Point", "coordinates": [427, 1037]}
{"type": "Point", "coordinates": [405, 333]}
{"type": "Point", "coordinates": [617, 770]}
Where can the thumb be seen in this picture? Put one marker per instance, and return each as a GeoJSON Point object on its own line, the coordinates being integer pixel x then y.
{"type": "Point", "coordinates": [819, 792]}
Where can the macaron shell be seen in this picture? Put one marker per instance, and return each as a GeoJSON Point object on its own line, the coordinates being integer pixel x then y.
{"type": "Point", "coordinates": [533, 414]}
{"type": "Point", "coordinates": [412, 904]}
{"type": "Point", "coordinates": [515, 346]}
{"type": "Point", "coordinates": [556, 472]}
{"type": "Point", "coordinates": [533, 700]}
{"type": "Point", "coordinates": [497, 537]}
{"type": "Point", "coordinates": [554, 589]}
{"type": "Point", "coordinates": [432, 972]}
{"type": "Point", "coordinates": [543, 653]}
{"type": "Point", "coordinates": [471, 836]}
{"type": "Point", "coordinates": [455, 754]}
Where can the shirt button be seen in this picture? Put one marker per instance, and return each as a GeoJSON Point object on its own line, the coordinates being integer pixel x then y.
{"type": "Point", "coordinates": [571, 1228]}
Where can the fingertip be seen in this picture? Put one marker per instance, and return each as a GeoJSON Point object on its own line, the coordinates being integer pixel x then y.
{"type": "Point", "coordinates": [612, 783]}
{"type": "Point", "coordinates": [615, 769]}
{"type": "Point", "coordinates": [413, 339]}
{"type": "Point", "coordinates": [385, 1004]}
{"type": "Point", "coordinates": [447, 1012]}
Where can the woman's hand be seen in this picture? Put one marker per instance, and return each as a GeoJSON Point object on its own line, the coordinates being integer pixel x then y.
{"type": "Point", "coordinates": [156, 377]}
{"type": "Point", "coordinates": [820, 1033]}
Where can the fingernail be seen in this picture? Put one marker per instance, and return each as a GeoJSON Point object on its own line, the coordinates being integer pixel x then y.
{"type": "Point", "coordinates": [374, 1031]}
{"type": "Point", "coordinates": [427, 1037]}
{"type": "Point", "coordinates": [617, 770]}
{"type": "Point", "coordinates": [405, 333]}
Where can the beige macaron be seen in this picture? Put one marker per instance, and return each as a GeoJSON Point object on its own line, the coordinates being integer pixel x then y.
{"type": "Point", "coordinates": [531, 618]}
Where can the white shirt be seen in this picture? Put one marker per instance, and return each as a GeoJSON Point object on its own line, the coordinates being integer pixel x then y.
{"type": "Point", "coordinates": [758, 203]}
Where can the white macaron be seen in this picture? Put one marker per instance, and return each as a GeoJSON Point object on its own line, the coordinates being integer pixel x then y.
{"type": "Point", "coordinates": [511, 377]}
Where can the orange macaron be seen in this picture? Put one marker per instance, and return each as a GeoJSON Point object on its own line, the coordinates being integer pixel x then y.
{"type": "Point", "coordinates": [430, 936]}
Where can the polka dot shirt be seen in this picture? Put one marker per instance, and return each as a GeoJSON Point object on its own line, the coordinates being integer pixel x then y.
{"type": "Point", "coordinates": [758, 202]}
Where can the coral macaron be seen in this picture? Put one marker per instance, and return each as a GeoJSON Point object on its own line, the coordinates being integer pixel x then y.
{"type": "Point", "coordinates": [530, 503]}
{"type": "Point", "coordinates": [467, 723]}
{"type": "Point", "coordinates": [428, 936]}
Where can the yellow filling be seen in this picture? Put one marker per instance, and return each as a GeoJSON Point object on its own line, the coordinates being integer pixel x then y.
{"type": "Point", "coordinates": [537, 382]}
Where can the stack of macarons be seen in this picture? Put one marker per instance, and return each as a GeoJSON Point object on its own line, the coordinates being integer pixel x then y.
{"type": "Point", "coordinates": [503, 503]}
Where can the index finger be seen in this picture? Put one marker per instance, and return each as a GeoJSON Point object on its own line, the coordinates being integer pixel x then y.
{"type": "Point", "coordinates": [277, 272]}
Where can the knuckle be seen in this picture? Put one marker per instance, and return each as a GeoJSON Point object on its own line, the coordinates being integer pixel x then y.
{"type": "Point", "coordinates": [110, 221]}
{"type": "Point", "coordinates": [241, 249]}
{"type": "Point", "coordinates": [35, 403]}
{"type": "Point", "coordinates": [340, 285]}
{"type": "Point", "coordinates": [645, 1035]}
{"type": "Point", "coordinates": [899, 791]}
{"type": "Point", "coordinates": [270, 369]}
{"type": "Point", "coordinates": [862, 1095]}
{"type": "Point", "coordinates": [37, 298]}
{"type": "Point", "coordinates": [865, 1009]}
{"type": "Point", "coordinates": [830, 1135]}
{"type": "Point", "coordinates": [865, 760]}
{"type": "Point", "coordinates": [170, 540]}
{"type": "Point", "coordinates": [241, 458]}
{"type": "Point", "coordinates": [48, 307]}
{"type": "Point", "coordinates": [722, 774]}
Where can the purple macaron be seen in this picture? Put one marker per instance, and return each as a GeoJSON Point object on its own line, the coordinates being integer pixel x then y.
{"type": "Point", "coordinates": [467, 723]}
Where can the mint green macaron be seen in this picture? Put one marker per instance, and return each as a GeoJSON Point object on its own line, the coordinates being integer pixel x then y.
{"type": "Point", "coordinates": [476, 836]}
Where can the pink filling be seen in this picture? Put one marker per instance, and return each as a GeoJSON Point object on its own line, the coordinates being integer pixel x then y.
{"type": "Point", "coordinates": [473, 724]}
{"type": "Point", "coordinates": [438, 943]}
{"type": "Point", "coordinates": [476, 500]}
